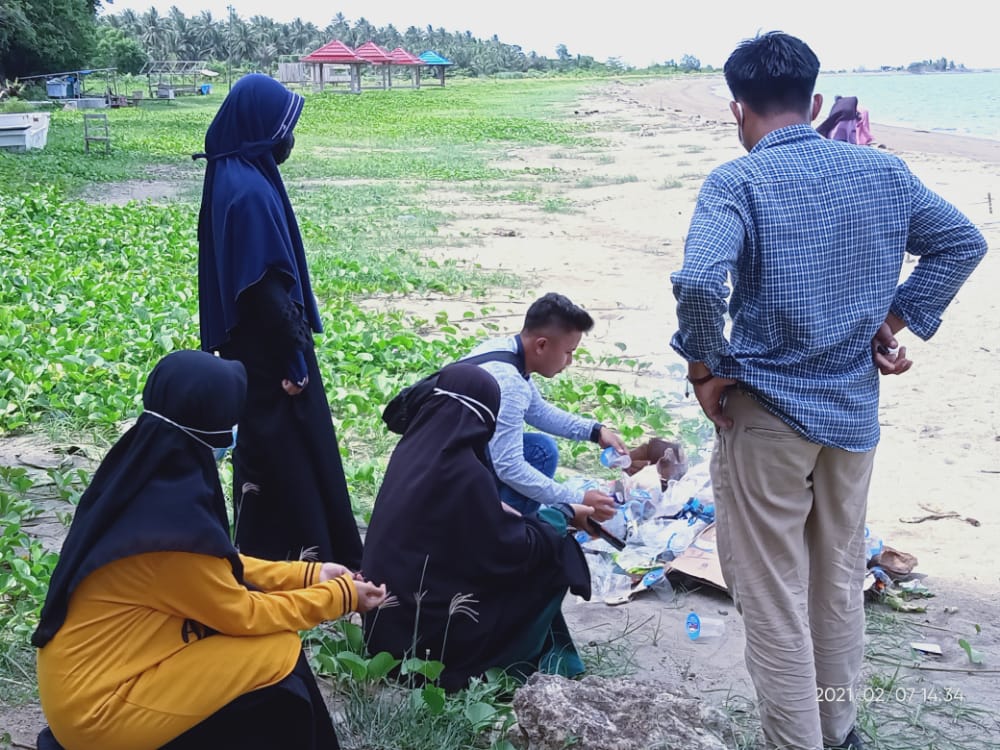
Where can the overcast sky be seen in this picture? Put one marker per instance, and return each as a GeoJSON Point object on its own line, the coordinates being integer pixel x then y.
{"type": "Point", "coordinates": [843, 35]}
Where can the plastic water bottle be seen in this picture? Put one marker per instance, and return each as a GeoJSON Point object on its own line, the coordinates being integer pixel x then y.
{"type": "Point", "coordinates": [684, 534]}
{"type": "Point", "coordinates": [873, 544]}
{"type": "Point", "coordinates": [699, 628]}
{"type": "Point", "coordinates": [611, 458]}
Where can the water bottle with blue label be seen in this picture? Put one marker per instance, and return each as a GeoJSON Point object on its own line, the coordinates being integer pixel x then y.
{"type": "Point", "coordinates": [873, 544]}
{"type": "Point", "coordinates": [611, 458]}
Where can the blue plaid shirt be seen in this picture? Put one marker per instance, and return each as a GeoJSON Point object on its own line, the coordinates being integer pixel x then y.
{"type": "Point", "coordinates": [812, 234]}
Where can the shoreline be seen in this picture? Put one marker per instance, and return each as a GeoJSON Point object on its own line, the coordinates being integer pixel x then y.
{"type": "Point", "coordinates": [696, 96]}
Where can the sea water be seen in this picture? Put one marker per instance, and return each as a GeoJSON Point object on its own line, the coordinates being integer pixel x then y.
{"type": "Point", "coordinates": [957, 103]}
{"type": "Point", "coordinates": [960, 103]}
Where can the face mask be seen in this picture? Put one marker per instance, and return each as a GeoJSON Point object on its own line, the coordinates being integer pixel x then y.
{"type": "Point", "coordinates": [739, 126]}
{"type": "Point", "coordinates": [190, 432]}
{"type": "Point", "coordinates": [220, 453]}
{"type": "Point", "coordinates": [476, 407]}
{"type": "Point", "coordinates": [283, 149]}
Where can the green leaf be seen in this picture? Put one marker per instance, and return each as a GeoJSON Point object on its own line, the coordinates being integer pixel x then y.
{"type": "Point", "coordinates": [381, 664]}
{"type": "Point", "coordinates": [356, 665]}
{"type": "Point", "coordinates": [428, 668]}
{"type": "Point", "coordinates": [975, 657]}
{"type": "Point", "coordinates": [355, 636]}
{"type": "Point", "coordinates": [480, 715]}
{"type": "Point", "coordinates": [434, 698]}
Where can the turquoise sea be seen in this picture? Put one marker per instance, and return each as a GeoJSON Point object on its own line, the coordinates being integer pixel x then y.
{"type": "Point", "coordinates": [961, 103]}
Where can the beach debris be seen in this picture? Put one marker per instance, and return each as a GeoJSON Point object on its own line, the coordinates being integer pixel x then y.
{"type": "Point", "coordinates": [925, 647]}
{"type": "Point", "coordinates": [900, 604]}
{"type": "Point", "coordinates": [894, 563]}
{"type": "Point", "coordinates": [655, 577]}
{"type": "Point", "coordinates": [975, 657]}
{"type": "Point", "coordinates": [934, 514]}
{"type": "Point", "coordinates": [915, 590]}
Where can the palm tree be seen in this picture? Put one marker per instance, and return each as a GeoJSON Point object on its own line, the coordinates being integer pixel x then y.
{"type": "Point", "coordinates": [299, 37]}
{"type": "Point", "coordinates": [208, 36]}
{"type": "Point", "coordinates": [243, 46]}
{"type": "Point", "coordinates": [338, 29]}
{"type": "Point", "coordinates": [363, 32]}
{"type": "Point", "coordinates": [413, 38]}
{"type": "Point", "coordinates": [155, 34]}
{"type": "Point", "coordinates": [183, 44]}
{"type": "Point", "coordinates": [129, 22]}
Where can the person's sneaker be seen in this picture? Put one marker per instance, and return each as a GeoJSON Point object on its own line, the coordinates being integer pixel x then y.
{"type": "Point", "coordinates": [851, 742]}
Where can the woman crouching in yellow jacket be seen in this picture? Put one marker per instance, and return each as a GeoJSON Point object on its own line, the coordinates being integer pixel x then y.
{"type": "Point", "coordinates": [156, 632]}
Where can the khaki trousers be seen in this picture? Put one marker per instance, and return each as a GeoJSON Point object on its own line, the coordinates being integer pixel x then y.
{"type": "Point", "coordinates": [790, 530]}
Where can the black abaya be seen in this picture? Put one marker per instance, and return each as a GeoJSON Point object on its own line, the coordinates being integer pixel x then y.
{"type": "Point", "coordinates": [471, 579]}
{"type": "Point", "coordinates": [257, 306]}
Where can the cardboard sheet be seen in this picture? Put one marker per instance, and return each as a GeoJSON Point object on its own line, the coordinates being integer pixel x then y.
{"type": "Point", "coordinates": [701, 559]}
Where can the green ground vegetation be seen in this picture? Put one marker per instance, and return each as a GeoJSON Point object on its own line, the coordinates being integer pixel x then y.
{"type": "Point", "coordinates": [93, 293]}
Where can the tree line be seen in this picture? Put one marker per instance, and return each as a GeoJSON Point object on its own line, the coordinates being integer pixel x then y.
{"type": "Point", "coordinates": [43, 36]}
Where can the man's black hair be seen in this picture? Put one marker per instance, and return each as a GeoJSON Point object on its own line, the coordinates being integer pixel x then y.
{"type": "Point", "coordinates": [773, 73]}
{"type": "Point", "coordinates": [556, 310]}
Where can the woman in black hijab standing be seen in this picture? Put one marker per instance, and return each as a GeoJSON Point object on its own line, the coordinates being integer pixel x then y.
{"type": "Point", "coordinates": [478, 586]}
{"type": "Point", "coordinates": [257, 306]}
{"type": "Point", "coordinates": [155, 632]}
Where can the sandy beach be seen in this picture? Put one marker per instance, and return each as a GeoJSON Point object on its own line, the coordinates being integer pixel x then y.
{"type": "Point", "coordinates": [937, 472]}
{"type": "Point", "coordinates": [615, 251]}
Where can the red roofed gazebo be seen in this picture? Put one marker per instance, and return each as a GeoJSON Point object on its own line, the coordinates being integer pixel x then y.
{"type": "Point", "coordinates": [401, 57]}
{"type": "Point", "coordinates": [375, 55]}
{"type": "Point", "coordinates": [335, 53]}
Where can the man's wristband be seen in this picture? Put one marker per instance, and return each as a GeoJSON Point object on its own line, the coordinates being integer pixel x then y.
{"type": "Point", "coordinates": [700, 381]}
{"type": "Point", "coordinates": [595, 433]}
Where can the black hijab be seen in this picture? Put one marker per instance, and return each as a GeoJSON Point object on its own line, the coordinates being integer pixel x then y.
{"type": "Point", "coordinates": [158, 487]}
{"type": "Point", "coordinates": [246, 224]}
{"type": "Point", "coordinates": [438, 530]}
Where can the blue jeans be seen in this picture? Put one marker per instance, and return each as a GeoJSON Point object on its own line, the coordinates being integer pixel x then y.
{"type": "Point", "coordinates": [541, 452]}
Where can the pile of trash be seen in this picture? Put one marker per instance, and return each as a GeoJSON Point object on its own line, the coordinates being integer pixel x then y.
{"type": "Point", "coordinates": [665, 522]}
{"type": "Point", "coordinates": [663, 507]}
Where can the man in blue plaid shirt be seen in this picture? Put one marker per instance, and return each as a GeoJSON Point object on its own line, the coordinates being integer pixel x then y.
{"type": "Point", "coordinates": [811, 234]}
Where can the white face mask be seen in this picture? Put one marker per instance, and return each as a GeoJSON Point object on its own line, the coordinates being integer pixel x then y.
{"type": "Point", "coordinates": [476, 407]}
{"type": "Point", "coordinates": [189, 431]}
{"type": "Point", "coordinates": [739, 125]}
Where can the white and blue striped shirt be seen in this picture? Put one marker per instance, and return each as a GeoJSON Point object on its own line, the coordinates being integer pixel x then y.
{"type": "Point", "coordinates": [812, 233]}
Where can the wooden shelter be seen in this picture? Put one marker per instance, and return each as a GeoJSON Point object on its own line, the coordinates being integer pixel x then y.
{"type": "Point", "coordinates": [403, 58]}
{"type": "Point", "coordinates": [326, 63]}
{"type": "Point", "coordinates": [168, 79]}
{"type": "Point", "coordinates": [75, 85]}
{"type": "Point", "coordinates": [437, 64]}
{"type": "Point", "coordinates": [375, 55]}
